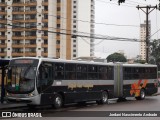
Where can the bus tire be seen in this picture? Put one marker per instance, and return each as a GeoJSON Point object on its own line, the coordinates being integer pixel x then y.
{"type": "Point", "coordinates": [104, 98]}
{"type": "Point", "coordinates": [142, 95]}
{"type": "Point", "coordinates": [58, 101]}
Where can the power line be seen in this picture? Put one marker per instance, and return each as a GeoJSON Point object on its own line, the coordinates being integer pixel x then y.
{"type": "Point", "coordinates": [139, 16]}
{"type": "Point", "coordinates": [65, 30]}
{"type": "Point", "coordinates": [156, 23]}
{"type": "Point", "coordinates": [88, 21]}
{"type": "Point", "coordinates": [114, 3]}
{"type": "Point", "coordinates": [86, 36]}
{"type": "Point", "coordinates": [155, 33]}
{"type": "Point", "coordinates": [136, 2]}
{"type": "Point", "coordinates": [97, 22]}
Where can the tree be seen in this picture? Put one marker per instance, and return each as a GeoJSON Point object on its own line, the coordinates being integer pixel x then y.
{"type": "Point", "coordinates": [139, 60]}
{"type": "Point", "coordinates": [121, 1]}
{"type": "Point", "coordinates": [116, 57]}
{"type": "Point", "coordinates": [154, 57]}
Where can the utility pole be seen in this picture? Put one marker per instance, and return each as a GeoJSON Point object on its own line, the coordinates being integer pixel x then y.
{"type": "Point", "coordinates": [147, 35]}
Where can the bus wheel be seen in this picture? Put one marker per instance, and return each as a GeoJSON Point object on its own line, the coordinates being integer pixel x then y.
{"type": "Point", "coordinates": [57, 101]}
{"type": "Point", "coordinates": [104, 98]}
{"type": "Point", "coordinates": [142, 95]}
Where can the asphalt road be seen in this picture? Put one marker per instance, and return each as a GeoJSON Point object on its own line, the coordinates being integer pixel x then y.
{"type": "Point", "coordinates": [93, 111]}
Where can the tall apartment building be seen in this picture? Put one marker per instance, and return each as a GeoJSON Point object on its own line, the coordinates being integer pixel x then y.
{"type": "Point", "coordinates": [46, 28]}
{"type": "Point", "coordinates": [143, 39]}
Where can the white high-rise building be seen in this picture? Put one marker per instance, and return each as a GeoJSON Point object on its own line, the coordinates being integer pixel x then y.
{"type": "Point", "coordinates": [143, 39]}
{"type": "Point", "coordinates": [46, 28]}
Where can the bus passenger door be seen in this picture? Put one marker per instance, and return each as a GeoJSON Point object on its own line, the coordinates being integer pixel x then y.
{"type": "Point", "coordinates": [118, 80]}
{"type": "Point", "coordinates": [45, 77]}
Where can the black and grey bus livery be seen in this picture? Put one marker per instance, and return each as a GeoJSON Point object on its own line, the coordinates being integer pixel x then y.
{"type": "Point", "coordinates": [42, 81]}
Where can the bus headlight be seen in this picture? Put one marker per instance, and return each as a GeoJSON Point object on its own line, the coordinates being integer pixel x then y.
{"type": "Point", "coordinates": [30, 94]}
{"type": "Point", "coordinates": [7, 94]}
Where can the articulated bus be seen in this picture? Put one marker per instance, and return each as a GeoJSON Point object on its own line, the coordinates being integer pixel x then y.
{"type": "Point", "coordinates": [43, 81]}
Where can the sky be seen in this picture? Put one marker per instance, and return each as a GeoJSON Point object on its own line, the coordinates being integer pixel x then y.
{"type": "Point", "coordinates": [109, 12]}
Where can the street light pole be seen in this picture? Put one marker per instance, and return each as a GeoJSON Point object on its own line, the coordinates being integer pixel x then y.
{"type": "Point", "coordinates": [147, 30]}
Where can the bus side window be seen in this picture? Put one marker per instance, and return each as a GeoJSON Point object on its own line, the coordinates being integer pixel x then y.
{"type": "Point", "coordinates": [44, 73]}
{"type": "Point", "coordinates": [59, 71]}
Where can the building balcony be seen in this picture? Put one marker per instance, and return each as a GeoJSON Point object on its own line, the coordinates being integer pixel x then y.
{"type": "Point", "coordinates": [45, 28]}
{"type": "Point", "coordinates": [18, 20]}
{"type": "Point", "coordinates": [17, 45]}
{"type": "Point", "coordinates": [45, 3]}
{"type": "Point", "coordinates": [3, 37]}
{"type": "Point", "coordinates": [18, 12]}
{"type": "Point", "coordinates": [58, 37]}
{"type": "Point", "coordinates": [30, 45]}
{"type": "Point", "coordinates": [17, 4]}
{"type": "Point", "coordinates": [44, 37]}
{"type": "Point", "coordinates": [30, 54]}
{"type": "Point", "coordinates": [44, 20]}
{"type": "Point", "coordinates": [30, 20]}
{"type": "Point", "coordinates": [3, 53]}
{"type": "Point", "coordinates": [20, 29]}
{"type": "Point", "coordinates": [17, 54]}
{"type": "Point", "coordinates": [30, 37]}
{"type": "Point", "coordinates": [3, 4]}
{"type": "Point", "coordinates": [34, 3]}
{"type": "Point", "coordinates": [28, 40]}
{"type": "Point", "coordinates": [45, 45]}
{"type": "Point", "coordinates": [45, 54]}
{"type": "Point", "coordinates": [57, 46]}
{"type": "Point", "coordinates": [31, 12]}
{"type": "Point", "coordinates": [30, 29]}
{"type": "Point", "coordinates": [3, 45]}
{"type": "Point", "coordinates": [22, 12]}
{"type": "Point", "coordinates": [3, 29]}
{"type": "Point", "coordinates": [18, 37]}
{"type": "Point", "coordinates": [58, 21]}
{"type": "Point", "coordinates": [3, 13]}
{"type": "Point", "coordinates": [44, 12]}
{"type": "Point", "coordinates": [58, 13]}
{"type": "Point", "coordinates": [3, 20]}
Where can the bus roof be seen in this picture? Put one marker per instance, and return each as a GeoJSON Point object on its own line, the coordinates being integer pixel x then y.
{"type": "Point", "coordinates": [64, 61]}
{"type": "Point", "coordinates": [86, 62]}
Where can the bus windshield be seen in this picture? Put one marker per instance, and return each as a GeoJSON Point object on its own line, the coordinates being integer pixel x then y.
{"type": "Point", "coordinates": [21, 78]}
